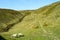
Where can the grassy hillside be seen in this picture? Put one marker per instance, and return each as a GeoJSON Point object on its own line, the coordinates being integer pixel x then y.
{"type": "Point", "coordinates": [42, 24]}
{"type": "Point", "coordinates": [26, 12]}
{"type": "Point", "coordinates": [8, 18]}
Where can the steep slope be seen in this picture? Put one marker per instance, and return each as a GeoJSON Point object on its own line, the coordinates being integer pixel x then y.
{"type": "Point", "coordinates": [8, 18]}
{"type": "Point", "coordinates": [26, 12]}
{"type": "Point", "coordinates": [42, 24]}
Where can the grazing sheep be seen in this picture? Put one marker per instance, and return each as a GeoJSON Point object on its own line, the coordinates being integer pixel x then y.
{"type": "Point", "coordinates": [20, 35]}
{"type": "Point", "coordinates": [17, 35]}
{"type": "Point", "coordinates": [14, 35]}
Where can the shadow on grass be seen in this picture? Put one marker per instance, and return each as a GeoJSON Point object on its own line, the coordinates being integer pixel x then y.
{"type": "Point", "coordinates": [1, 38]}
{"type": "Point", "coordinates": [11, 25]}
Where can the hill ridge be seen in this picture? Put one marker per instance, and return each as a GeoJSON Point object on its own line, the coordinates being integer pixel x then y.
{"type": "Point", "coordinates": [41, 24]}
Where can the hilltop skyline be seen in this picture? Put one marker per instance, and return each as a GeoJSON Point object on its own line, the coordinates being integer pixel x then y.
{"type": "Point", "coordinates": [24, 4]}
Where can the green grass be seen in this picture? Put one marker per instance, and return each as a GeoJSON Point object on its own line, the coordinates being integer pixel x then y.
{"type": "Point", "coordinates": [8, 17]}
{"type": "Point", "coordinates": [47, 20]}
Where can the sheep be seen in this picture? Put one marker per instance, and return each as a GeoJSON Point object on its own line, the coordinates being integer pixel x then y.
{"type": "Point", "coordinates": [17, 35]}
{"type": "Point", "coordinates": [14, 35]}
{"type": "Point", "coordinates": [20, 35]}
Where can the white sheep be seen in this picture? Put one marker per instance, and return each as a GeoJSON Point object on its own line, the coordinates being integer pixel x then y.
{"type": "Point", "coordinates": [20, 35]}
{"type": "Point", "coordinates": [17, 35]}
{"type": "Point", "coordinates": [14, 35]}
